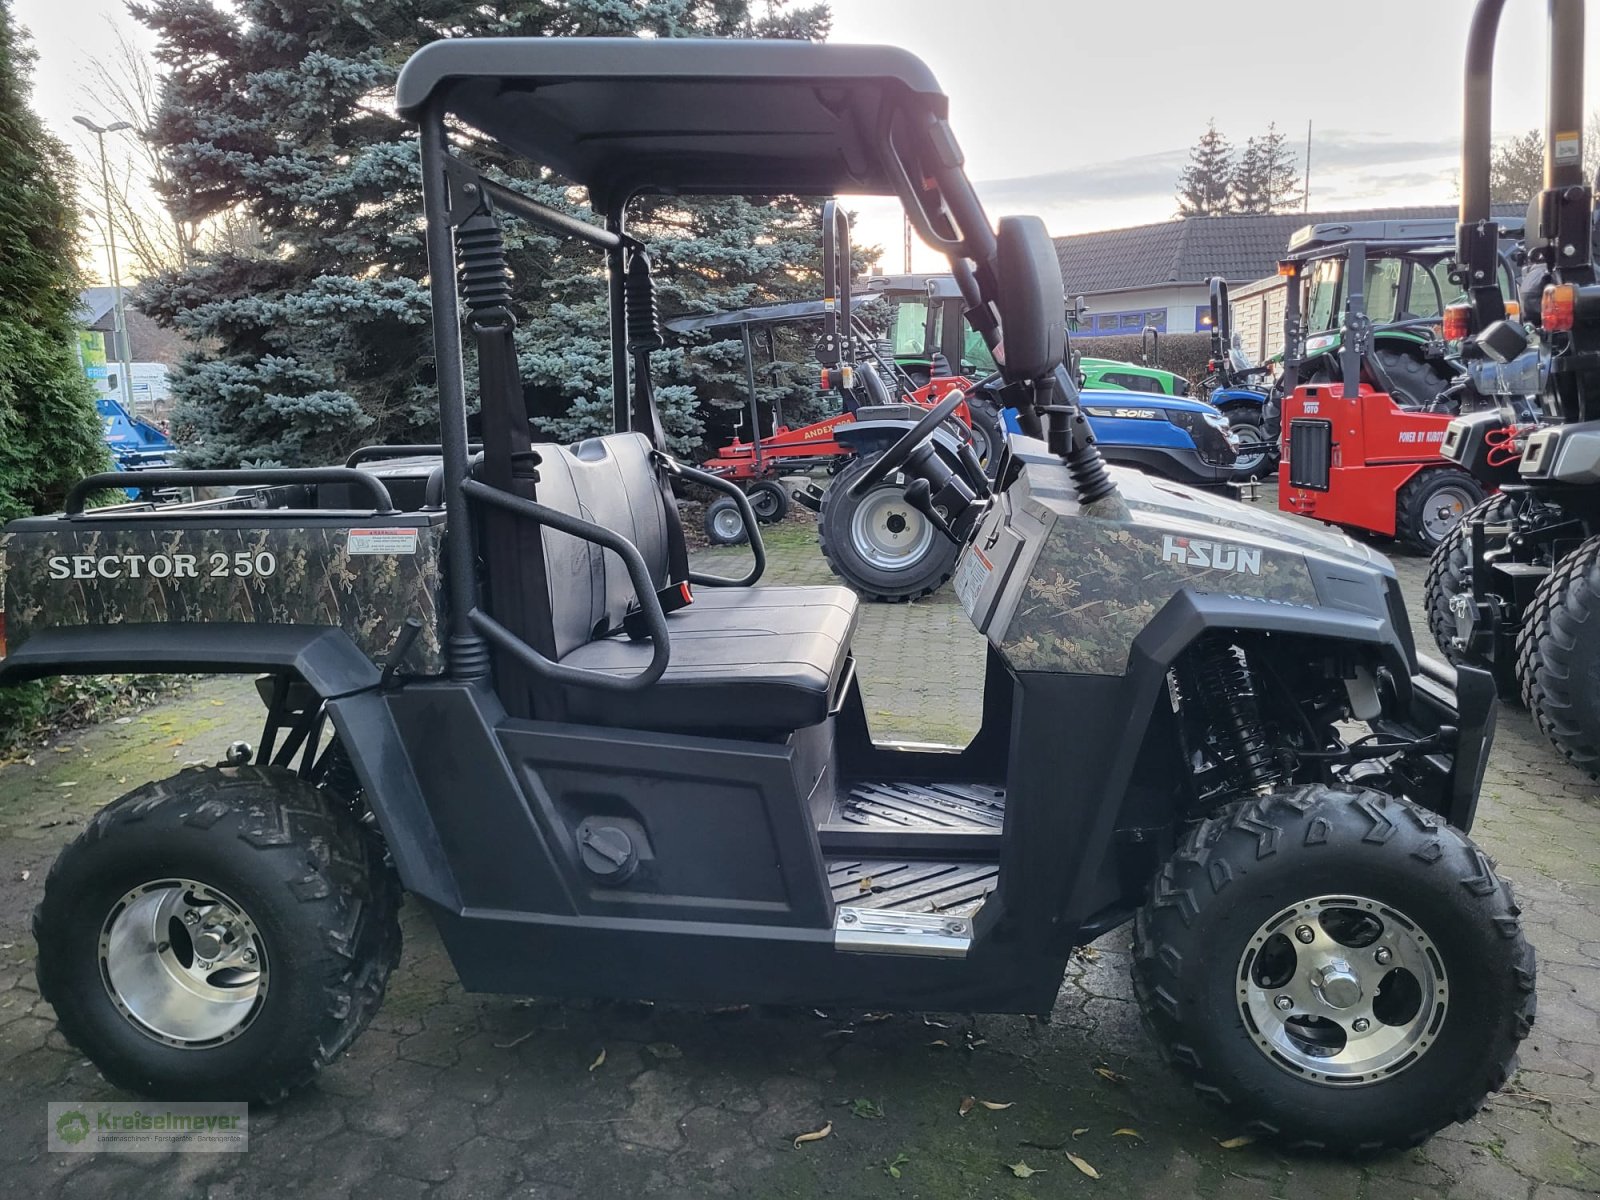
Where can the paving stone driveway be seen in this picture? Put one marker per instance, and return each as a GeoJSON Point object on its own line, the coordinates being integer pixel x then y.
{"type": "Point", "coordinates": [451, 1095]}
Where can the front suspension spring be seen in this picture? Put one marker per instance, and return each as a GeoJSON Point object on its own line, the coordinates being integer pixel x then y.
{"type": "Point", "coordinates": [1228, 691]}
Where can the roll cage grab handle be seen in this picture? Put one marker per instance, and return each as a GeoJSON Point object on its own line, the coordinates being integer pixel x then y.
{"type": "Point", "coordinates": [1562, 231]}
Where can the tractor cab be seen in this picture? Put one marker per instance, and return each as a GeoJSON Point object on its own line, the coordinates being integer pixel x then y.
{"type": "Point", "coordinates": [1369, 383]}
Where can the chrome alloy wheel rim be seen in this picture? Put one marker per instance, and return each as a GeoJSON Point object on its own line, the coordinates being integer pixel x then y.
{"type": "Point", "coordinates": [887, 532]}
{"type": "Point", "coordinates": [183, 963]}
{"type": "Point", "coordinates": [1342, 990]}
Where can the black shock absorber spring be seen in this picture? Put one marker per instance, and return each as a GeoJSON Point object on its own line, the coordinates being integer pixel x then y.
{"type": "Point", "coordinates": [639, 291]}
{"type": "Point", "coordinates": [484, 274]}
{"type": "Point", "coordinates": [1228, 691]}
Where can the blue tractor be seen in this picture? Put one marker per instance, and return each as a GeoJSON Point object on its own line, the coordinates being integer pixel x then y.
{"type": "Point", "coordinates": [136, 444]}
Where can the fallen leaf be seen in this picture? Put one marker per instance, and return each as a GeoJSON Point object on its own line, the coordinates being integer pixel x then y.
{"type": "Point", "coordinates": [1133, 1133]}
{"type": "Point", "coordinates": [599, 1060]}
{"type": "Point", "coordinates": [966, 1105]}
{"type": "Point", "coordinates": [1079, 1132]}
{"type": "Point", "coordinates": [1109, 1075]}
{"type": "Point", "coordinates": [995, 1105]}
{"type": "Point", "coordinates": [1022, 1170]}
{"type": "Point", "coordinates": [932, 1024]}
{"type": "Point", "coordinates": [867, 1110]}
{"type": "Point", "coordinates": [69, 783]}
{"type": "Point", "coordinates": [123, 721]}
{"type": "Point", "coordinates": [177, 741]}
{"type": "Point", "coordinates": [1088, 953]}
{"type": "Point", "coordinates": [976, 1042]}
{"type": "Point", "coordinates": [874, 1018]}
{"type": "Point", "coordinates": [664, 1050]}
{"type": "Point", "coordinates": [517, 1041]}
{"type": "Point", "coordinates": [25, 875]}
{"type": "Point", "coordinates": [816, 1135]}
{"type": "Point", "coordinates": [1082, 1166]}
{"type": "Point", "coordinates": [62, 749]}
{"type": "Point", "coordinates": [865, 884]}
{"type": "Point", "coordinates": [219, 704]}
{"type": "Point", "coordinates": [940, 1042]}
{"type": "Point", "coordinates": [1235, 1143]}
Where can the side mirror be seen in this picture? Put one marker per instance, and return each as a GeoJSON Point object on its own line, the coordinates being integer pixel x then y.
{"type": "Point", "coordinates": [1032, 317]}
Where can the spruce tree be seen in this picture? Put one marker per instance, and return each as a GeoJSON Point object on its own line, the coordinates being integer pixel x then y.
{"type": "Point", "coordinates": [319, 340]}
{"type": "Point", "coordinates": [1280, 172]}
{"type": "Point", "coordinates": [1205, 189]}
{"type": "Point", "coordinates": [50, 436]}
{"type": "Point", "coordinates": [1249, 184]}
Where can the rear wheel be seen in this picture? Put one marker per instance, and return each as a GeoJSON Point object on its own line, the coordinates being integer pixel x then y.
{"type": "Point", "coordinates": [769, 501]}
{"type": "Point", "coordinates": [1339, 968]}
{"type": "Point", "coordinates": [1449, 570]}
{"type": "Point", "coordinates": [1558, 657]}
{"type": "Point", "coordinates": [1255, 459]}
{"type": "Point", "coordinates": [1432, 503]}
{"type": "Point", "coordinates": [724, 522]}
{"type": "Point", "coordinates": [223, 934]}
{"type": "Point", "coordinates": [1416, 384]}
{"type": "Point", "coordinates": [878, 543]}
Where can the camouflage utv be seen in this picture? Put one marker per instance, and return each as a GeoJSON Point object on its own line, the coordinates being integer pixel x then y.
{"type": "Point", "coordinates": [492, 681]}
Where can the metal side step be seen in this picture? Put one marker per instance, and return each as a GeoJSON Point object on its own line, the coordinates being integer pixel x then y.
{"type": "Point", "coordinates": [884, 931]}
{"type": "Point", "coordinates": [939, 888]}
{"type": "Point", "coordinates": [949, 806]}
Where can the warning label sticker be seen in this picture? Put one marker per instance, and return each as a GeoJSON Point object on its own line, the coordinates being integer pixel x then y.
{"type": "Point", "coordinates": [1569, 147]}
{"type": "Point", "coordinates": [383, 541]}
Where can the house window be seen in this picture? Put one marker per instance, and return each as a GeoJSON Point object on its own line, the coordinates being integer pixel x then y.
{"type": "Point", "coordinates": [1128, 321]}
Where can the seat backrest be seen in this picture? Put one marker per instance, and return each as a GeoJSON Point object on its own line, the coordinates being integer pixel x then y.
{"type": "Point", "coordinates": [610, 481]}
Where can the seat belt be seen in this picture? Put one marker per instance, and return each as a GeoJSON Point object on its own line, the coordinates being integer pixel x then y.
{"type": "Point", "coordinates": [644, 338]}
{"type": "Point", "coordinates": [519, 591]}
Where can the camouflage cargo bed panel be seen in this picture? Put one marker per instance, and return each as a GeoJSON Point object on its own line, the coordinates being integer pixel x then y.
{"type": "Point", "coordinates": [364, 575]}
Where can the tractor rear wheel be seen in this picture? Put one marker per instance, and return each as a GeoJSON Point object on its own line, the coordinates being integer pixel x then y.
{"type": "Point", "coordinates": [220, 935]}
{"type": "Point", "coordinates": [1338, 968]}
{"type": "Point", "coordinates": [877, 543]}
{"type": "Point", "coordinates": [1432, 503]}
{"type": "Point", "coordinates": [1558, 657]}
{"type": "Point", "coordinates": [1417, 384]}
{"type": "Point", "coordinates": [1448, 571]}
{"type": "Point", "coordinates": [1257, 457]}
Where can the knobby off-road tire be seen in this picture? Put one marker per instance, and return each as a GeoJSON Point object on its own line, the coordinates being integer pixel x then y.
{"type": "Point", "coordinates": [862, 545]}
{"type": "Point", "coordinates": [1417, 383]}
{"type": "Point", "coordinates": [1251, 865]}
{"type": "Point", "coordinates": [321, 905]}
{"type": "Point", "coordinates": [1448, 569]}
{"type": "Point", "coordinates": [1432, 505]}
{"type": "Point", "coordinates": [1558, 657]}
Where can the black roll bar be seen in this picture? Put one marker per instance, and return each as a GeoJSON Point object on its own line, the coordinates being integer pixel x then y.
{"type": "Point", "coordinates": [269, 476]}
{"type": "Point", "coordinates": [421, 450]}
{"type": "Point", "coordinates": [834, 348]}
{"type": "Point", "coordinates": [638, 574]}
{"type": "Point", "coordinates": [552, 219]}
{"type": "Point", "coordinates": [758, 548]}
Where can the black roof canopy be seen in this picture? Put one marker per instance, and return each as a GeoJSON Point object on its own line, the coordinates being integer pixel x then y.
{"type": "Point", "coordinates": [618, 115]}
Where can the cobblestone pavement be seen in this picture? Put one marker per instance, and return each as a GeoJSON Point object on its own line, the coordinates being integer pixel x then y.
{"type": "Point", "coordinates": [455, 1095]}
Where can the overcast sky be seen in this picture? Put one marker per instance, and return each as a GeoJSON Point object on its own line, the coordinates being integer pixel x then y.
{"type": "Point", "coordinates": [1083, 110]}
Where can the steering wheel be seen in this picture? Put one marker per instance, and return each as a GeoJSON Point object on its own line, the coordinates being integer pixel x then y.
{"type": "Point", "coordinates": [895, 457]}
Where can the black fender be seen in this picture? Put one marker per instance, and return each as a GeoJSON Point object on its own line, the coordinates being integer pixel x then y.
{"type": "Point", "coordinates": [1093, 809]}
{"type": "Point", "coordinates": [869, 436]}
{"type": "Point", "coordinates": [322, 655]}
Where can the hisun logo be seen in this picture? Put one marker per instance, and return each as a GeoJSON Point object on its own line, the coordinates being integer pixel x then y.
{"type": "Point", "coordinates": [1219, 556]}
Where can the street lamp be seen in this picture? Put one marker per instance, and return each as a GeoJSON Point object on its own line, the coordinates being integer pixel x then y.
{"type": "Point", "coordinates": [120, 321]}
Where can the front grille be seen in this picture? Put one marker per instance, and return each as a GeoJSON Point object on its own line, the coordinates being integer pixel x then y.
{"type": "Point", "coordinates": [1310, 453]}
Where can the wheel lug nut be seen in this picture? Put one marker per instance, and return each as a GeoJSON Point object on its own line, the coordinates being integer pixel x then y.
{"type": "Point", "coordinates": [191, 917]}
{"type": "Point", "coordinates": [1284, 1002]}
{"type": "Point", "coordinates": [1384, 956]}
{"type": "Point", "coordinates": [249, 956]}
{"type": "Point", "coordinates": [1305, 934]}
{"type": "Point", "coordinates": [1361, 1024]}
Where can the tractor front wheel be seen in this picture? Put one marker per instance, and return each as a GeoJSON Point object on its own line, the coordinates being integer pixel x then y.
{"type": "Point", "coordinates": [1558, 657]}
{"type": "Point", "coordinates": [221, 935]}
{"type": "Point", "coordinates": [1338, 968]}
{"type": "Point", "coordinates": [1449, 570]}
{"type": "Point", "coordinates": [879, 544]}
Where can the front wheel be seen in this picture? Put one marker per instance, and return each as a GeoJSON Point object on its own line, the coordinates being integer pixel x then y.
{"type": "Point", "coordinates": [1431, 504]}
{"type": "Point", "coordinates": [1339, 968]}
{"type": "Point", "coordinates": [1256, 456]}
{"type": "Point", "coordinates": [221, 935]}
{"type": "Point", "coordinates": [1558, 657]}
{"type": "Point", "coordinates": [1449, 575]}
{"type": "Point", "coordinates": [877, 543]}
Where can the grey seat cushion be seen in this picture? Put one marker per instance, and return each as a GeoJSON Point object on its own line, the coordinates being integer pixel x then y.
{"type": "Point", "coordinates": [744, 661]}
